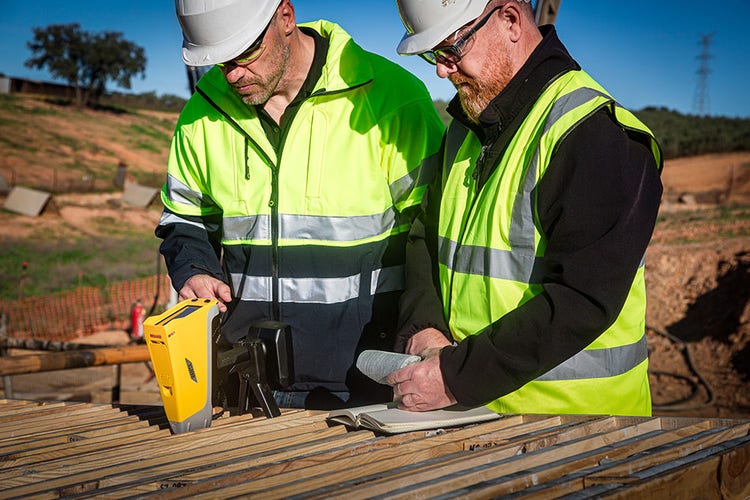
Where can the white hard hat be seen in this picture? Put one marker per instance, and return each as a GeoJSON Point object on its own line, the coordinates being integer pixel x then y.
{"type": "Point", "coordinates": [429, 22]}
{"type": "Point", "coordinates": [215, 31]}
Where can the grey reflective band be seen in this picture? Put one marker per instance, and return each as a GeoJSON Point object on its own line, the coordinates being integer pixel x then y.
{"type": "Point", "coordinates": [318, 290]}
{"type": "Point", "coordinates": [311, 227]}
{"type": "Point", "coordinates": [402, 188]}
{"type": "Point", "coordinates": [172, 218]}
{"type": "Point", "coordinates": [519, 263]}
{"type": "Point", "coordinates": [179, 192]}
{"type": "Point", "coordinates": [250, 227]}
{"type": "Point", "coordinates": [387, 279]}
{"type": "Point", "coordinates": [599, 363]}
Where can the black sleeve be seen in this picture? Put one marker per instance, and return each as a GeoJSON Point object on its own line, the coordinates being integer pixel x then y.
{"type": "Point", "coordinates": [597, 203]}
{"type": "Point", "coordinates": [420, 305]}
{"type": "Point", "coordinates": [191, 245]}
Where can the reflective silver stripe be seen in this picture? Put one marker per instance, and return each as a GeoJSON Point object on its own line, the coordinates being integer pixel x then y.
{"type": "Point", "coordinates": [387, 279]}
{"type": "Point", "coordinates": [402, 188]}
{"type": "Point", "coordinates": [318, 290]}
{"type": "Point", "coordinates": [172, 218]}
{"type": "Point", "coordinates": [179, 192]}
{"type": "Point", "coordinates": [251, 227]}
{"type": "Point", "coordinates": [254, 288]}
{"type": "Point", "coordinates": [516, 265]}
{"type": "Point", "coordinates": [311, 227]}
{"type": "Point", "coordinates": [600, 363]}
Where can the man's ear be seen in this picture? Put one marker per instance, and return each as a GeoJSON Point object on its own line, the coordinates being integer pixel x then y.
{"type": "Point", "coordinates": [288, 17]}
{"type": "Point", "coordinates": [513, 18]}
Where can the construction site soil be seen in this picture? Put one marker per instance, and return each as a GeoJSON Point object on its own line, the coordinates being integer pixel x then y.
{"type": "Point", "coordinates": [697, 272]}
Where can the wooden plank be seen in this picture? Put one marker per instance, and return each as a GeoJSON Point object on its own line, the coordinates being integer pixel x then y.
{"type": "Point", "coordinates": [669, 452]}
{"type": "Point", "coordinates": [554, 478]}
{"type": "Point", "coordinates": [114, 453]}
{"type": "Point", "coordinates": [383, 449]}
{"type": "Point", "coordinates": [174, 449]}
{"type": "Point", "coordinates": [117, 449]}
{"type": "Point", "coordinates": [722, 471]}
{"type": "Point", "coordinates": [76, 426]}
{"type": "Point", "coordinates": [33, 363]}
{"type": "Point", "coordinates": [531, 437]}
{"type": "Point", "coordinates": [157, 479]}
{"type": "Point", "coordinates": [80, 447]}
{"type": "Point", "coordinates": [14, 411]}
{"type": "Point", "coordinates": [419, 478]}
{"type": "Point", "coordinates": [401, 468]}
{"type": "Point", "coordinates": [31, 447]}
{"type": "Point", "coordinates": [30, 426]}
{"type": "Point", "coordinates": [163, 464]}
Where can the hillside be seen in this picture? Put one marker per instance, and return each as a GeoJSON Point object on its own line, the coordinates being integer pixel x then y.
{"type": "Point", "coordinates": [697, 266]}
{"type": "Point", "coordinates": [59, 148]}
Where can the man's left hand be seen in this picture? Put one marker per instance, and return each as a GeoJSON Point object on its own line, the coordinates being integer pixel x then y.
{"type": "Point", "coordinates": [420, 386]}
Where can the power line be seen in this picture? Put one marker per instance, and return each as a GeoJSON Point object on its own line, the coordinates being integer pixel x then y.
{"type": "Point", "coordinates": [701, 104]}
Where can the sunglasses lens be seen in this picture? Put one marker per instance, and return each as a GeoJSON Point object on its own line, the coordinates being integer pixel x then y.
{"type": "Point", "coordinates": [247, 57]}
{"type": "Point", "coordinates": [447, 55]}
{"type": "Point", "coordinates": [429, 57]}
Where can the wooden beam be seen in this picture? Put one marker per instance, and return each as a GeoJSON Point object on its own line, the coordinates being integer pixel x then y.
{"type": "Point", "coordinates": [33, 363]}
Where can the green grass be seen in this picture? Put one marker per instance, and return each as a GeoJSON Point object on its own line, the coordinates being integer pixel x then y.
{"type": "Point", "coordinates": [61, 264]}
{"type": "Point", "coordinates": [148, 137]}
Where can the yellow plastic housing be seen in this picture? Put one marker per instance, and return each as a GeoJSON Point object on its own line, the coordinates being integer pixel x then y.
{"type": "Point", "coordinates": [179, 343]}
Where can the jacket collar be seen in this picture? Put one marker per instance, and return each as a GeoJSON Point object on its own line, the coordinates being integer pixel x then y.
{"type": "Point", "coordinates": [346, 64]}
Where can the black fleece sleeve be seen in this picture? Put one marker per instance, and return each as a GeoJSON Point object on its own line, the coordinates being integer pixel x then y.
{"type": "Point", "coordinates": [191, 245]}
{"type": "Point", "coordinates": [420, 305]}
{"type": "Point", "coordinates": [597, 203]}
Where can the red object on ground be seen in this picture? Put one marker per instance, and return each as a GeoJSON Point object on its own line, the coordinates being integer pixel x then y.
{"type": "Point", "coordinates": [137, 316]}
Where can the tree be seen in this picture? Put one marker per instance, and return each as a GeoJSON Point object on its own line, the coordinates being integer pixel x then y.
{"type": "Point", "coordinates": [87, 61]}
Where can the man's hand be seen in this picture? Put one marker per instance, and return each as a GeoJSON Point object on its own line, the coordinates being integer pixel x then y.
{"type": "Point", "coordinates": [421, 343]}
{"type": "Point", "coordinates": [420, 386]}
{"type": "Point", "coordinates": [203, 286]}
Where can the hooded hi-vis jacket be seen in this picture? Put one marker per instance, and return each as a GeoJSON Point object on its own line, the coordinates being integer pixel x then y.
{"type": "Point", "coordinates": [312, 234]}
{"type": "Point", "coordinates": [492, 249]}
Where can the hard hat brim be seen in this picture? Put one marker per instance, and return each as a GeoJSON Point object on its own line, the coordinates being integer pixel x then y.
{"type": "Point", "coordinates": [416, 43]}
{"type": "Point", "coordinates": [194, 54]}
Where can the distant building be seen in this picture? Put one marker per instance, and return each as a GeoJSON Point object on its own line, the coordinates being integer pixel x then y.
{"type": "Point", "coordinates": [13, 85]}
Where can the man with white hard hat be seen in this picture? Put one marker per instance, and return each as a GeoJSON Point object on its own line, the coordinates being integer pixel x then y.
{"type": "Point", "coordinates": [534, 232]}
{"type": "Point", "coordinates": [293, 176]}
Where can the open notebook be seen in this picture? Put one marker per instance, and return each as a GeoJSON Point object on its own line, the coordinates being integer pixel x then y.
{"type": "Point", "coordinates": [390, 420]}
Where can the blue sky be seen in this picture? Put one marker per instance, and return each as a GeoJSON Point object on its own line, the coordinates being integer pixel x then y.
{"type": "Point", "coordinates": [644, 53]}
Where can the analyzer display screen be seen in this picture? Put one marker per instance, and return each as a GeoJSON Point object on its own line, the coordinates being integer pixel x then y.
{"type": "Point", "coordinates": [185, 311]}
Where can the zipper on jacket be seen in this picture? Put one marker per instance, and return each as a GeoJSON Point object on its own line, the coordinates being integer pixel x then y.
{"type": "Point", "coordinates": [273, 203]}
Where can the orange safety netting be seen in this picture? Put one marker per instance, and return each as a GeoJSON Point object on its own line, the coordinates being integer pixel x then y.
{"type": "Point", "coordinates": [68, 315]}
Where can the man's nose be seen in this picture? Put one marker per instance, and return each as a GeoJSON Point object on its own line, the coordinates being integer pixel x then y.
{"type": "Point", "coordinates": [444, 70]}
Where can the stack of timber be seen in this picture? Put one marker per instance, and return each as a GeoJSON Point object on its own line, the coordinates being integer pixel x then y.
{"type": "Point", "coordinates": [64, 449]}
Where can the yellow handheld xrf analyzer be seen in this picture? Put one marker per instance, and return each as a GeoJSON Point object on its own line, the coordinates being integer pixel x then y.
{"type": "Point", "coordinates": [179, 343]}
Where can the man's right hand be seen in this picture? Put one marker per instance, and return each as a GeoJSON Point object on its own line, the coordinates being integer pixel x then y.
{"type": "Point", "coordinates": [203, 286]}
{"type": "Point", "coordinates": [425, 341]}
